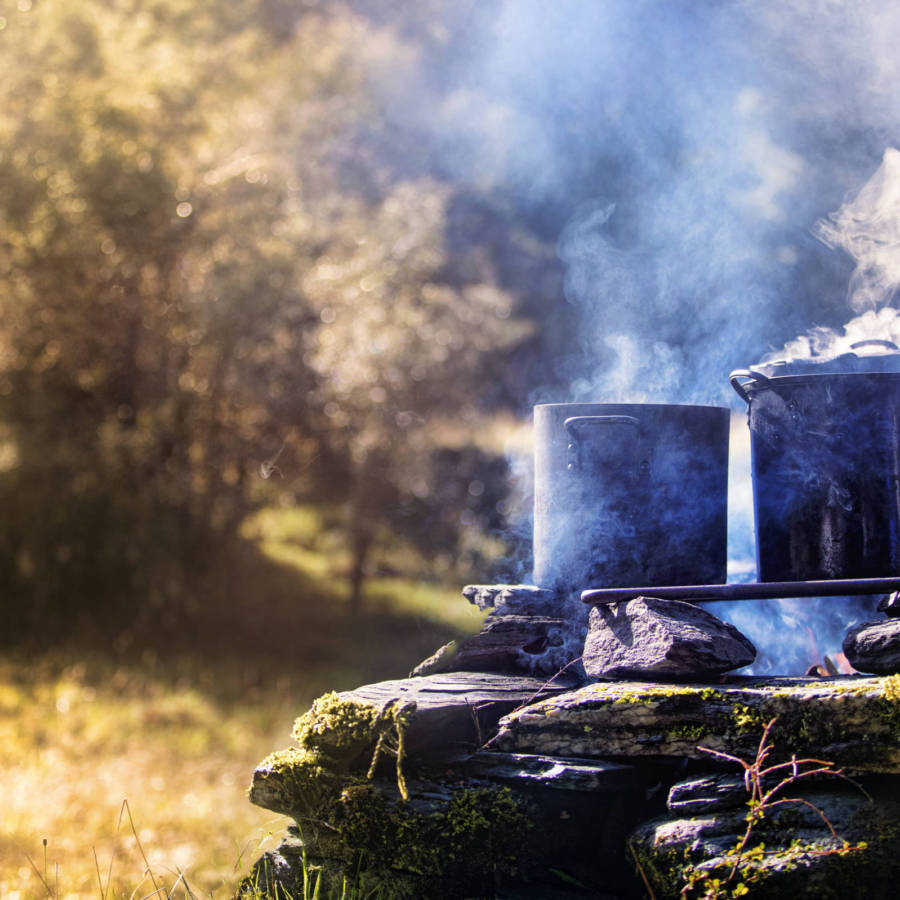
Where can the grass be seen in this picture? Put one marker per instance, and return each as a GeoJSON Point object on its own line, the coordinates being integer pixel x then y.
{"type": "Point", "coordinates": [77, 738]}
{"type": "Point", "coordinates": [177, 723]}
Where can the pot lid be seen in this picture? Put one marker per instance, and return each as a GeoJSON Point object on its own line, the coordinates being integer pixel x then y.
{"type": "Point", "coordinates": [873, 355]}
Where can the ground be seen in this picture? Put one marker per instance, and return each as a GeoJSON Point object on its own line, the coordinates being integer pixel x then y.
{"type": "Point", "coordinates": [176, 725]}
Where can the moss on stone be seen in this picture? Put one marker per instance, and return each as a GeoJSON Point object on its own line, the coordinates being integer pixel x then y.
{"type": "Point", "coordinates": [295, 781]}
{"type": "Point", "coordinates": [746, 720]}
{"type": "Point", "coordinates": [711, 695]}
{"type": "Point", "coordinates": [461, 845]}
{"type": "Point", "coordinates": [694, 732]}
{"type": "Point", "coordinates": [762, 871]}
{"type": "Point", "coordinates": [338, 727]}
{"type": "Point", "coordinates": [888, 707]}
{"type": "Point", "coordinates": [457, 849]}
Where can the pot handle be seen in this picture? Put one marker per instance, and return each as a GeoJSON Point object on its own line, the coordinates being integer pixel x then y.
{"type": "Point", "coordinates": [574, 424]}
{"type": "Point", "coordinates": [875, 342]}
{"type": "Point", "coordinates": [756, 379]}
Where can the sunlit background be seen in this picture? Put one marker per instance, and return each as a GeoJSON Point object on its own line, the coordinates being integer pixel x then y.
{"type": "Point", "coordinates": [281, 283]}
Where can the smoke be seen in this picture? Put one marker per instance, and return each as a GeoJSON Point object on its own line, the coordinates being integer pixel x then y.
{"type": "Point", "coordinates": [868, 228]}
{"type": "Point", "coordinates": [680, 154]}
{"type": "Point", "coordinates": [823, 344]}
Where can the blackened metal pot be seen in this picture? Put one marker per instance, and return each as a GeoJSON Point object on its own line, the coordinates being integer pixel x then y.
{"type": "Point", "coordinates": [825, 458]}
{"type": "Point", "coordinates": [629, 494]}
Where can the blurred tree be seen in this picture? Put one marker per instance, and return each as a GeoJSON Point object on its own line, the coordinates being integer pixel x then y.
{"type": "Point", "coordinates": [397, 354]}
{"type": "Point", "coordinates": [150, 319]}
{"type": "Point", "coordinates": [212, 273]}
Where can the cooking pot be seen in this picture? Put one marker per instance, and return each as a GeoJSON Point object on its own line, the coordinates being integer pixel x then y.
{"type": "Point", "coordinates": [629, 494]}
{"type": "Point", "coordinates": [825, 459]}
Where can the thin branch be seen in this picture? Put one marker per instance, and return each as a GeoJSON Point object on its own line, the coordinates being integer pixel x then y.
{"type": "Point", "coordinates": [785, 800]}
{"type": "Point", "coordinates": [534, 696]}
{"type": "Point", "coordinates": [641, 872]}
{"type": "Point", "coordinates": [99, 876]}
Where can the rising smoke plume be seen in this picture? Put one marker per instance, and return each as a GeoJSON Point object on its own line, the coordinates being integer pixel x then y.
{"type": "Point", "coordinates": [681, 153]}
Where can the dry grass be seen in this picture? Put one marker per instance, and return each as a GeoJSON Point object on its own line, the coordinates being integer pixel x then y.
{"type": "Point", "coordinates": [177, 725]}
{"type": "Point", "coordinates": [77, 738]}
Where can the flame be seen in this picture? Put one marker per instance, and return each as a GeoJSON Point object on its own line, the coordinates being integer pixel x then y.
{"type": "Point", "coordinates": [826, 664]}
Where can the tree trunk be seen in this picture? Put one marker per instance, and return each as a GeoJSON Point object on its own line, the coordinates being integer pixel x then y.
{"type": "Point", "coordinates": [362, 540]}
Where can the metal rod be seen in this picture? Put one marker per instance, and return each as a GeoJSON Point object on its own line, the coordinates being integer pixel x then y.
{"type": "Point", "coordinates": [838, 587]}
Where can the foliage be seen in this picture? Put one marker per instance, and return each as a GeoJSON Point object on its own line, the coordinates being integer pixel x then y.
{"type": "Point", "coordinates": [215, 284]}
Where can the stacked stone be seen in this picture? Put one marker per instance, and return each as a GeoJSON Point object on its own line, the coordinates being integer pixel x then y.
{"type": "Point", "coordinates": [538, 632]}
{"type": "Point", "coordinates": [533, 761]}
{"type": "Point", "coordinates": [874, 647]}
{"type": "Point", "coordinates": [528, 631]}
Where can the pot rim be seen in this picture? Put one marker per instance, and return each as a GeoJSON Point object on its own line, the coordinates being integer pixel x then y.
{"type": "Point", "coordinates": [760, 382]}
{"type": "Point", "coordinates": [592, 403]}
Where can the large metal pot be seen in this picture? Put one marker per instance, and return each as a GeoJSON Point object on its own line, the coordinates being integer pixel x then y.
{"type": "Point", "coordinates": [629, 494]}
{"type": "Point", "coordinates": [825, 458]}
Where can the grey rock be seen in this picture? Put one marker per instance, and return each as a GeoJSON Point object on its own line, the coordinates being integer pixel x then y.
{"type": "Point", "coordinates": [529, 631]}
{"type": "Point", "coordinates": [648, 637]}
{"type": "Point", "coordinates": [559, 773]}
{"type": "Point", "coordinates": [802, 855]}
{"type": "Point", "coordinates": [515, 599]}
{"type": "Point", "coordinates": [456, 712]}
{"type": "Point", "coordinates": [531, 645]}
{"type": "Point", "coordinates": [439, 661]}
{"type": "Point", "coordinates": [707, 793]}
{"type": "Point", "coordinates": [874, 647]}
{"type": "Point", "coordinates": [890, 604]}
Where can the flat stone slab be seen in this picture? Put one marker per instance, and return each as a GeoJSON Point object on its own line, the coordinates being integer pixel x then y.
{"type": "Point", "coordinates": [518, 599]}
{"type": "Point", "coordinates": [530, 631]}
{"type": "Point", "coordinates": [522, 645]}
{"type": "Point", "coordinates": [559, 773]}
{"type": "Point", "coordinates": [851, 721]}
{"type": "Point", "coordinates": [456, 712]}
{"type": "Point", "coordinates": [706, 794]}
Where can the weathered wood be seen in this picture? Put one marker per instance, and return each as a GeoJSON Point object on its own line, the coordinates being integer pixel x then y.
{"type": "Point", "coordinates": [851, 721]}
{"type": "Point", "coordinates": [456, 712]}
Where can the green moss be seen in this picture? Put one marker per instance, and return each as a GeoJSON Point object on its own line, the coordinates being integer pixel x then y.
{"type": "Point", "coordinates": [467, 842]}
{"type": "Point", "coordinates": [746, 720]}
{"type": "Point", "coordinates": [299, 781]}
{"type": "Point", "coordinates": [653, 695]}
{"type": "Point", "coordinates": [888, 705]}
{"type": "Point", "coordinates": [694, 732]}
{"type": "Point", "coordinates": [338, 727]}
{"type": "Point", "coordinates": [461, 845]}
{"type": "Point", "coordinates": [891, 688]}
{"type": "Point", "coordinates": [688, 876]}
{"type": "Point", "coordinates": [711, 695]}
